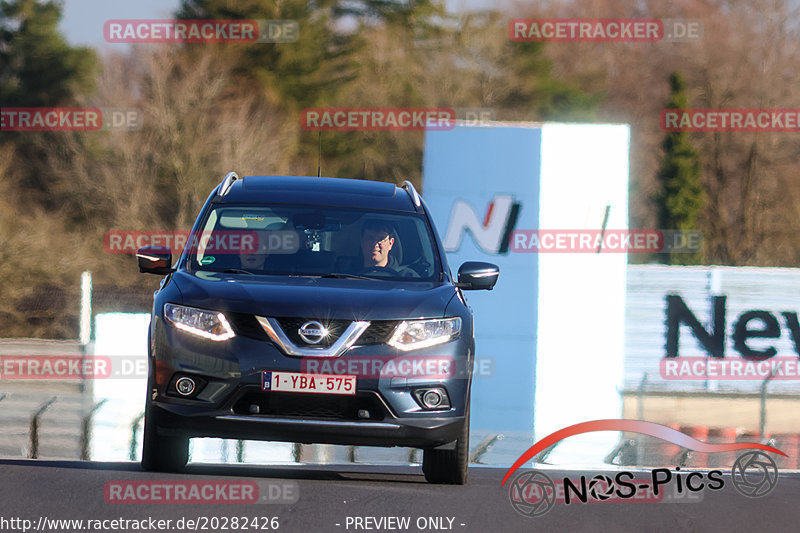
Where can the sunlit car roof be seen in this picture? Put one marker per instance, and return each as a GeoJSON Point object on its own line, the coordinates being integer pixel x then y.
{"type": "Point", "coordinates": [319, 191]}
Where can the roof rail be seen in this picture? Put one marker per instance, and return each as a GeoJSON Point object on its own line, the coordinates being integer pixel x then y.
{"type": "Point", "coordinates": [412, 192]}
{"type": "Point", "coordinates": [227, 183]}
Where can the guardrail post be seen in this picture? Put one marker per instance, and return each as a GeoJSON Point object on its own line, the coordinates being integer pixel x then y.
{"type": "Point", "coordinates": [85, 439]}
{"type": "Point", "coordinates": [682, 457]}
{"type": "Point", "coordinates": [542, 456]}
{"type": "Point", "coordinates": [413, 455]}
{"type": "Point", "coordinates": [297, 452]}
{"type": "Point", "coordinates": [640, 415]}
{"type": "Point", "coordinates": [240, 451]}
{"type": "Point", "coordinates": [763, 411]}
{"type": "Point", "coordinates": [640, 397]}
{"type": "Point", "coordinates": [483, 447]}
{"type": "Point", "coordinates": [134, 432]}
{"type": "Point", "coordinates": [34, 430]}
{"type": "Point", "coordinates": [619, 451]}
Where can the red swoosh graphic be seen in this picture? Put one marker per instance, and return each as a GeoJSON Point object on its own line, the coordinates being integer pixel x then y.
{"type": "Point", "coordinates": [634, 426]}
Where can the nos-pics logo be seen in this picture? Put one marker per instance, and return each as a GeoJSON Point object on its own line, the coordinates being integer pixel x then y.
{"type": "Point", "coordinates": [533, 493]}
{"type": "Point", "coordinates": [492, 234]}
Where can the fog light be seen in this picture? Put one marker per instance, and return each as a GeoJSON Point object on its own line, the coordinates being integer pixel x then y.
{"type": "Point", "coordinates": [432, 399]}
{"type": "Point", "coordinates": [185, 386]}
{"type": "Point", "coordinates": [363, 413]}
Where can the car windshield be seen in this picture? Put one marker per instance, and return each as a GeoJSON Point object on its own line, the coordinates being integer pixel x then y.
{"type": "Point", "coordinates": [315, 241]}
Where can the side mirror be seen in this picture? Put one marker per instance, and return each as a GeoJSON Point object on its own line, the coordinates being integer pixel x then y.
{"type": "Point", "coordinates": [476, 275]}
{"type": "Point", "coordinates": [155, 260]}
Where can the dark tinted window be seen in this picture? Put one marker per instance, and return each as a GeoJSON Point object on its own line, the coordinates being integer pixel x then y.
{"type": "Point", "coordinates": [311, 240]}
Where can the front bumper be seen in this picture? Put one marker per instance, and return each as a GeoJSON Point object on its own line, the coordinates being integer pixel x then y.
{"type": "Point", "coordinates": [417, 433]}
{"type": "Point", "coordinates": [232, 371]}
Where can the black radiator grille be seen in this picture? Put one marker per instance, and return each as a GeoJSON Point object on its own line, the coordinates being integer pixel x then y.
{"type": "Point", "coordinates": [246, 325]}
{"type": "Point", "coordinates": [314, 406]}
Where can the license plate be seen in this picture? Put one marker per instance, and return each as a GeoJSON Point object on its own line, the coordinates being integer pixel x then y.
{"type": "Point", "coordinates": [302, 382]}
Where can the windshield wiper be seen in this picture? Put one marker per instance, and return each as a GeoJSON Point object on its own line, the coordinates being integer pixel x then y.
{"type": "Point", "coordinates": [236, 271]}
{"type": "Point", "coordinates": [345, 276]}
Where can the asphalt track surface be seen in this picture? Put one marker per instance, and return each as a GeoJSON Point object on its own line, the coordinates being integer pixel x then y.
{"type": "Point", "coordinates": [327, 496]}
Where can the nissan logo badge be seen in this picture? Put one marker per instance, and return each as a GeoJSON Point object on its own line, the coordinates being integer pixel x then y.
{"type": "Point", "coordinates": [312, 332]}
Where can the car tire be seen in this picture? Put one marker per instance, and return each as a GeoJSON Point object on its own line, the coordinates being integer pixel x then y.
{"type": "Point", "coordinates": [449, 467]}
{"type": "Point", "coordinates": [160, 453]}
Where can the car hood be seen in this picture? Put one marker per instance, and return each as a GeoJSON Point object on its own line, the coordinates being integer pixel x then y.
{"type": "Point", "coordinates": [314, 297]}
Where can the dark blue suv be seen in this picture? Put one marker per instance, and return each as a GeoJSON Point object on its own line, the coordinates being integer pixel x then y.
{"type": "Point", "coordinates": [312, 310]}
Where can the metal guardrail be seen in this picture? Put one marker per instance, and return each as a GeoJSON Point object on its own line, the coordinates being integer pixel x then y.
{"type": "Point", "coordinates": [627, 451]}
{"type": "Point", "coordinates": [641, 392]}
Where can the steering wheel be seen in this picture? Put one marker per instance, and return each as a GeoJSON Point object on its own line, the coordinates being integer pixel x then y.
{"type": "Point", "coordinates": [390, 271]}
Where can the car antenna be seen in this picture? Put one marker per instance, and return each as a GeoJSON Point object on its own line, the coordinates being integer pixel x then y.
{"type": "Point", "coordinates": [319, 156]}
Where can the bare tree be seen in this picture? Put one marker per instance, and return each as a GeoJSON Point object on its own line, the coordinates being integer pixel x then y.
{"type": "Point", "coordinates": [198, 123]}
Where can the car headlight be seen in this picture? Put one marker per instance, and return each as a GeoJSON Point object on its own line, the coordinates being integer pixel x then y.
{"type": "Point", "coordinates": [207, 324]}
{"type": "Point", "coordinates": [416, 334]}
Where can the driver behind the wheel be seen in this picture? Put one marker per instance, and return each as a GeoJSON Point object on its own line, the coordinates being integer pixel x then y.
{"type": "Point", "coordinates": [377, 239]}
{"type": "Point", "coordinates": [253, 255]}
{"type": "Point", "coordinates": [376, 243]}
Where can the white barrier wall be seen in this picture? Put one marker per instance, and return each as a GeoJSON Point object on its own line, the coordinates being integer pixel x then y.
{"type": "Point", "coordinates": [122, 337]}
{"type": "Point", "coordinates": [581, 296]}
{"type": "Point", "coordinates": [554, 323]}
